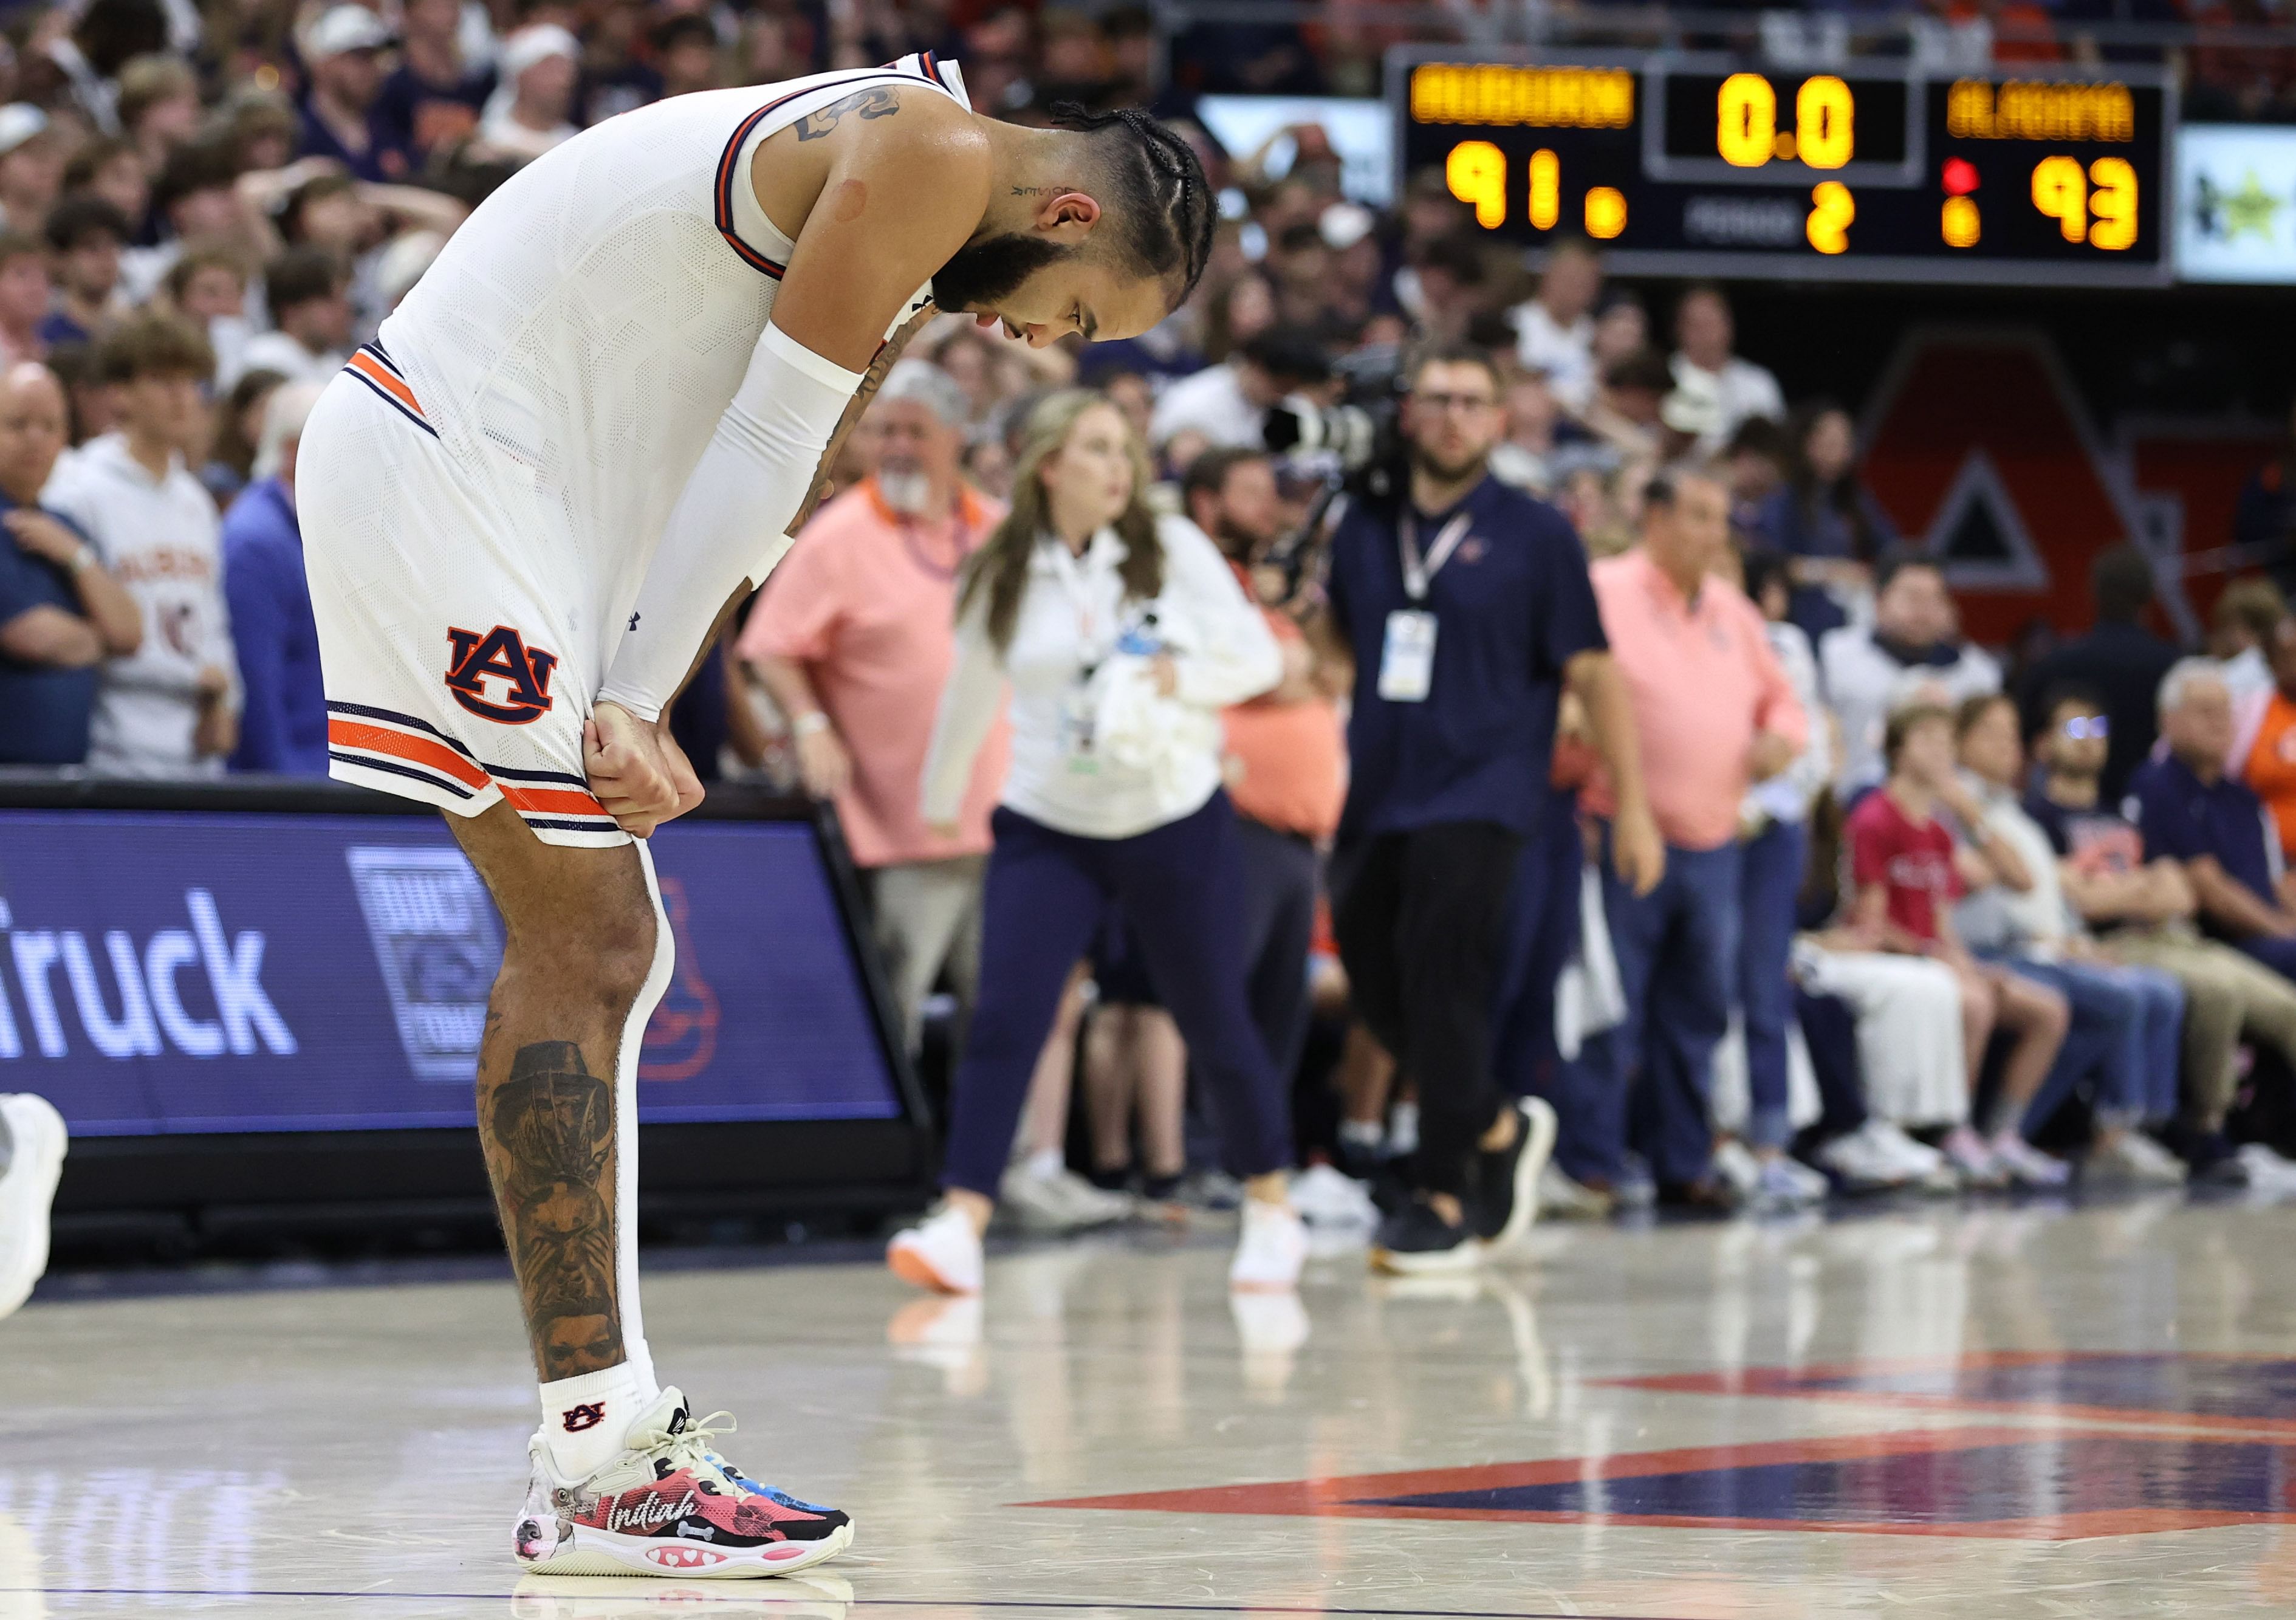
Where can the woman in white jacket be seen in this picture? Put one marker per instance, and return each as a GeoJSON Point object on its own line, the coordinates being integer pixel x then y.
{"type": "Point", "coordinates": [1121, 636]}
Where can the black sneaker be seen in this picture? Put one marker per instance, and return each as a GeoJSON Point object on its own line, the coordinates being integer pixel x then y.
{"type": "Point", "coordinates": [2215, 1161]}
{"type": "Point", "coordinates": [1415, 1240]}
{"type": "Point", "coordinates": [1508, 1180]}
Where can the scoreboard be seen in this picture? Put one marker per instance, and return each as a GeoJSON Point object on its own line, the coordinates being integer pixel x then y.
{"type": "Point", "coordinates": [1875, 170]}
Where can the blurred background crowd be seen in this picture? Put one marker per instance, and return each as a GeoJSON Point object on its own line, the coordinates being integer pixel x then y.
{"type": "Point", "coordinates": [1973, 962]}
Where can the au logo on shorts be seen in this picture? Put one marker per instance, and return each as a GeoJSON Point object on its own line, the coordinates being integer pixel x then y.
{"type": "Point", "coordinates": [502, 654]}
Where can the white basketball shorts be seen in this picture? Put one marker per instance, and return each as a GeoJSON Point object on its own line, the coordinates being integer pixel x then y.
{"type": "Point", "coordinates": [452, 670]}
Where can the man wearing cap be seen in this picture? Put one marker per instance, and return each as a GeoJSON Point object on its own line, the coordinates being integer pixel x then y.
{"type": "Point", "coordinates": [853, 638]}
{"type": "Point", "coordinates": [31, 168]}
{"type": "Point", "coordinates": [343, 49]}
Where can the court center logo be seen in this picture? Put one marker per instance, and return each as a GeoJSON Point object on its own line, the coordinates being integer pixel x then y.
{"type": "Point", "coordinates": [438, 943]}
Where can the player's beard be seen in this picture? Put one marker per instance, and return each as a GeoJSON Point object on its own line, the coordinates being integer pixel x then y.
{"type": "Point", "coordinates": [981, 275]}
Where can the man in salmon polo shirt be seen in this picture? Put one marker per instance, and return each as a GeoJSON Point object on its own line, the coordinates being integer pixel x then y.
{"type": "Point", "coordinates": [1714, 714]}
{"type": "Point", "coordinates": [853, 638]}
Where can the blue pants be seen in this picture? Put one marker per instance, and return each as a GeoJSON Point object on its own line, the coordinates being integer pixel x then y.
{"type": "Point", "coordinates": [1772, 873]}
{"type": "Point", "coordinates": [1047, 892]}
{"type": "Point", "coordinates": [1542, 937]}
{"type": "Point", "coordinates": [1678, 951]}
{"type": "Point", "coordinates": [2128, 1031]}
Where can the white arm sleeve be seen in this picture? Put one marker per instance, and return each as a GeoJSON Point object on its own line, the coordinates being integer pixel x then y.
{"type": "Point", "coordinates": [728, 525]}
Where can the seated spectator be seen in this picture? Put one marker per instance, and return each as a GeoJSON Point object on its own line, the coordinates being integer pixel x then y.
{"type": "Point", "coordinates": [527, 114]}
{"type": "Point", "coordinates": [1756, 465]}
{"type": "Point", "coordinates": [358, 222]}
{"type": "Point", "coordinates": [2128, 1022]}
{"type": "Point", "coordinates": [1868, 669]}
{"type": "Point", "coordinates": [1621, 328]}
{"type": "Point", "coordinates": [2265, 521]}
{"type": "Point", "coordinates": [342, 49]}
{"type": "Point", "coordinates": [1905, 873]}
{"type": "Point", "coordinates": [31, 168]}
{"type": "Point", "coordinates": [25, 291]}
{"type": "Point", "coordinates": [171, 709]}
{"type": "Point", "coordinates": [87, 234]}
{"type": "Point", "coordinates": [2264, 739]}
{"type": "Point", "coordinates": [2239, 630]}
{"type": "Point", "coordinates": [1703, 337]}
{"type": "Point", "coordinates": [1228, 403]}
{"type": "Point", "coordinates": [2141, 912]}
{"type": "Point", "coordinates": [1626, 414]}
{"type": "Point", "coordinates": [2119, 659]}
{"type": "Point", "coordinates": [685, 55]}
{"type": "Point", "coordinates": [283, 726]}
{"type": "Point", "coordinates": [2191, 812]}
{"type": "Point", "coordinates": [310, 296]}
{"type": "Point", "coordinates": [1555, 332]}
{"type": "Point", "coordinates": [1524, 457]}
{"type": "Point", "coordinates": [61, 614]}
{"type": "Point", "coordinates": [197, 197]}
{"type": "Point", "coordinates": [433, 97]}
{"type": "Point", "coordinates": [238, 431]}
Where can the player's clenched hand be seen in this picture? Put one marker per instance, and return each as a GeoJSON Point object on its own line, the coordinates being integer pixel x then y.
{"type": "Point", "coordinates": [640, 774]}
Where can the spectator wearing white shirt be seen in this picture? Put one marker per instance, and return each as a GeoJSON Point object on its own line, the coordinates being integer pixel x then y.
{"type": "Point", "coordinates": [1555, 332]}
{"type": "Point", "coordinates": [1122, 638]}
{"type": "Point", "coordinates": [1870, 670]}
{"type": "Point", "coordinates": [1228, 403]}
{"type": "Point", "coordinates": [1704, 335]}
{"type": "Point", "coordinates": [310, 296]}
{"type": "Point", "coordinates": [171, 709]}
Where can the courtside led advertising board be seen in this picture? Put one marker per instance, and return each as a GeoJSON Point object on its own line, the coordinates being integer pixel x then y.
{"type": "Point", "coordinates": [1875, 170]}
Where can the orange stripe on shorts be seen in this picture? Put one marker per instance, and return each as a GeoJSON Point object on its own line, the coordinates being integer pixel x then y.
{"type": "Point", "coordinates": [421, 750]}
{"type": "Point", "coordinates": [558, 800]}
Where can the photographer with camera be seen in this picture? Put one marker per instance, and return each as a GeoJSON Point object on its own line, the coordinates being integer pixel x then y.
{"type": "Point", "coordinates": [1465, 606]}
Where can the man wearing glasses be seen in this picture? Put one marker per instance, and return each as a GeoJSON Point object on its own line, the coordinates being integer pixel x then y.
{"type": "Point", "coordinates": [2142, 912]}
{"type": "Point", "coordinates": [1465, 606]}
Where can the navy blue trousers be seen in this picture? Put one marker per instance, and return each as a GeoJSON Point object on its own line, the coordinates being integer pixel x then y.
{"type": "Point", "coordinates": [1677, 954]}
{"type": "Point", "coordinates": [1770, 878]}
{"type": "Point", "coordinates": [1179, 886]}
{"type": "Point", "coordinates": [1542, 937]}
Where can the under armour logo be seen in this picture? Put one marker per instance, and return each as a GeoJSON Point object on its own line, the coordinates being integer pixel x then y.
{"type": "Point", "coordinates": [588, 1415]}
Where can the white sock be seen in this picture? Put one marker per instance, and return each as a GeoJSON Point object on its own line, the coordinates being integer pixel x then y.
{"type": "Point", "coordinates": [586, 1419]}
{"type": "Point", "coordinates": [1044, 1163]}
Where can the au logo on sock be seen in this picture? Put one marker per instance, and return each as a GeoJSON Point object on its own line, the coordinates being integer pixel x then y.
{"type": "Point", "coordinates": [589, 1415]}
{"type": "Point", "coordinates": [438, 943]}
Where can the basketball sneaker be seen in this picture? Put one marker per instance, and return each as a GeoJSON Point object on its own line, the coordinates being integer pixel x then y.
{"type": "Point", "coordinates": [671, 1505]}
{"type": "Point", "coordinates": [37, 1141]}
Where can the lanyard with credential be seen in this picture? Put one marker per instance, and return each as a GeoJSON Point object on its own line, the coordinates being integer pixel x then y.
{"type": "Point", "coordinates": [1406, 663]}
{"type": "Point", "coordinates": [1418, 574]}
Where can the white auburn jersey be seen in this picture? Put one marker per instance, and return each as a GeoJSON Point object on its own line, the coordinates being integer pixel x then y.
{"type": "Point", "coordinates": [585, 329]}
{"type": "Point", "coordinates": [484, 488]}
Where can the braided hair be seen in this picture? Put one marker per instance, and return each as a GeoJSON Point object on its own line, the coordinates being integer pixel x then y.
{"type": "Point", "coordinates": [1166, 209]}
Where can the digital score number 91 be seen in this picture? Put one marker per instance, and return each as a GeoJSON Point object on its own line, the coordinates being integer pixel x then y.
{"type": "Point", "coordinates": [1476, 171]}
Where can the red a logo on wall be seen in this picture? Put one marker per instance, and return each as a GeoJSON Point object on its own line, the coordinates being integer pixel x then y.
{"type": "Point", "coordinates": [681, 1038]}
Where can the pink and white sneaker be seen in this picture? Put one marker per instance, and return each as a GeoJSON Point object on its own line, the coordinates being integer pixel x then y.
{"type": "Point", "coordinates": [670, 1505]}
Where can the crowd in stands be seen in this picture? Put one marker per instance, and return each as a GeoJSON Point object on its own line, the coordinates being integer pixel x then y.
{"type": "Point", "coordinates": [1800, 889]}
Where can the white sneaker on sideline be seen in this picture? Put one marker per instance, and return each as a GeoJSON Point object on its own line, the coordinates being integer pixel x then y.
{"type": "Point", "coordinates": [1271, 1249]}
{"type": "Point", "coordinates": [1325, 1197]}
{"type": "Point", "coordinates": [1090, 1206]}
{"type": "Point", "coordinates": [2268, 1171]}
{"type": "Point", "coordinates": [1863, 1163]}
{"type": "Point", "coordinates": [27, 1186]}
{"type": "Point", "coordinates": [1785, 1183]}
{"type": "Point", "coordinates": [2134, 1156]}
{"type": "Point", "coordinates": [1736, 1164]}
{"type": "Point", "coordinates": [1565, 1198]}
{"type": "Point", "coordinates": [942, 1253]}
{"type": "Point", "coordinates": [2027, 1164]}
{"type": "Point", "coordinates": [1061, 1202]}
{"type": "Point", "coordinates": [1973, 1160]}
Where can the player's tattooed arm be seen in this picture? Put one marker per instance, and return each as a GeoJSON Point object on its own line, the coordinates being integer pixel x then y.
{"type": "Point", "coordinates": [871, 381]}
{"type": "Point", "coordinates": [549, 1138]}
{"type": "Point", "coordinates": [882, 101]}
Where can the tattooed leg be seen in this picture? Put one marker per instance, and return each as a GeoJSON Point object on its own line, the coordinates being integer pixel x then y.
{"type": "Point", "coordinates": [578, 967]}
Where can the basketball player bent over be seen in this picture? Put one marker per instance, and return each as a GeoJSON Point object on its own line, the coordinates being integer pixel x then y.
{"type": "Point", "coordinates": [525, 509]}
